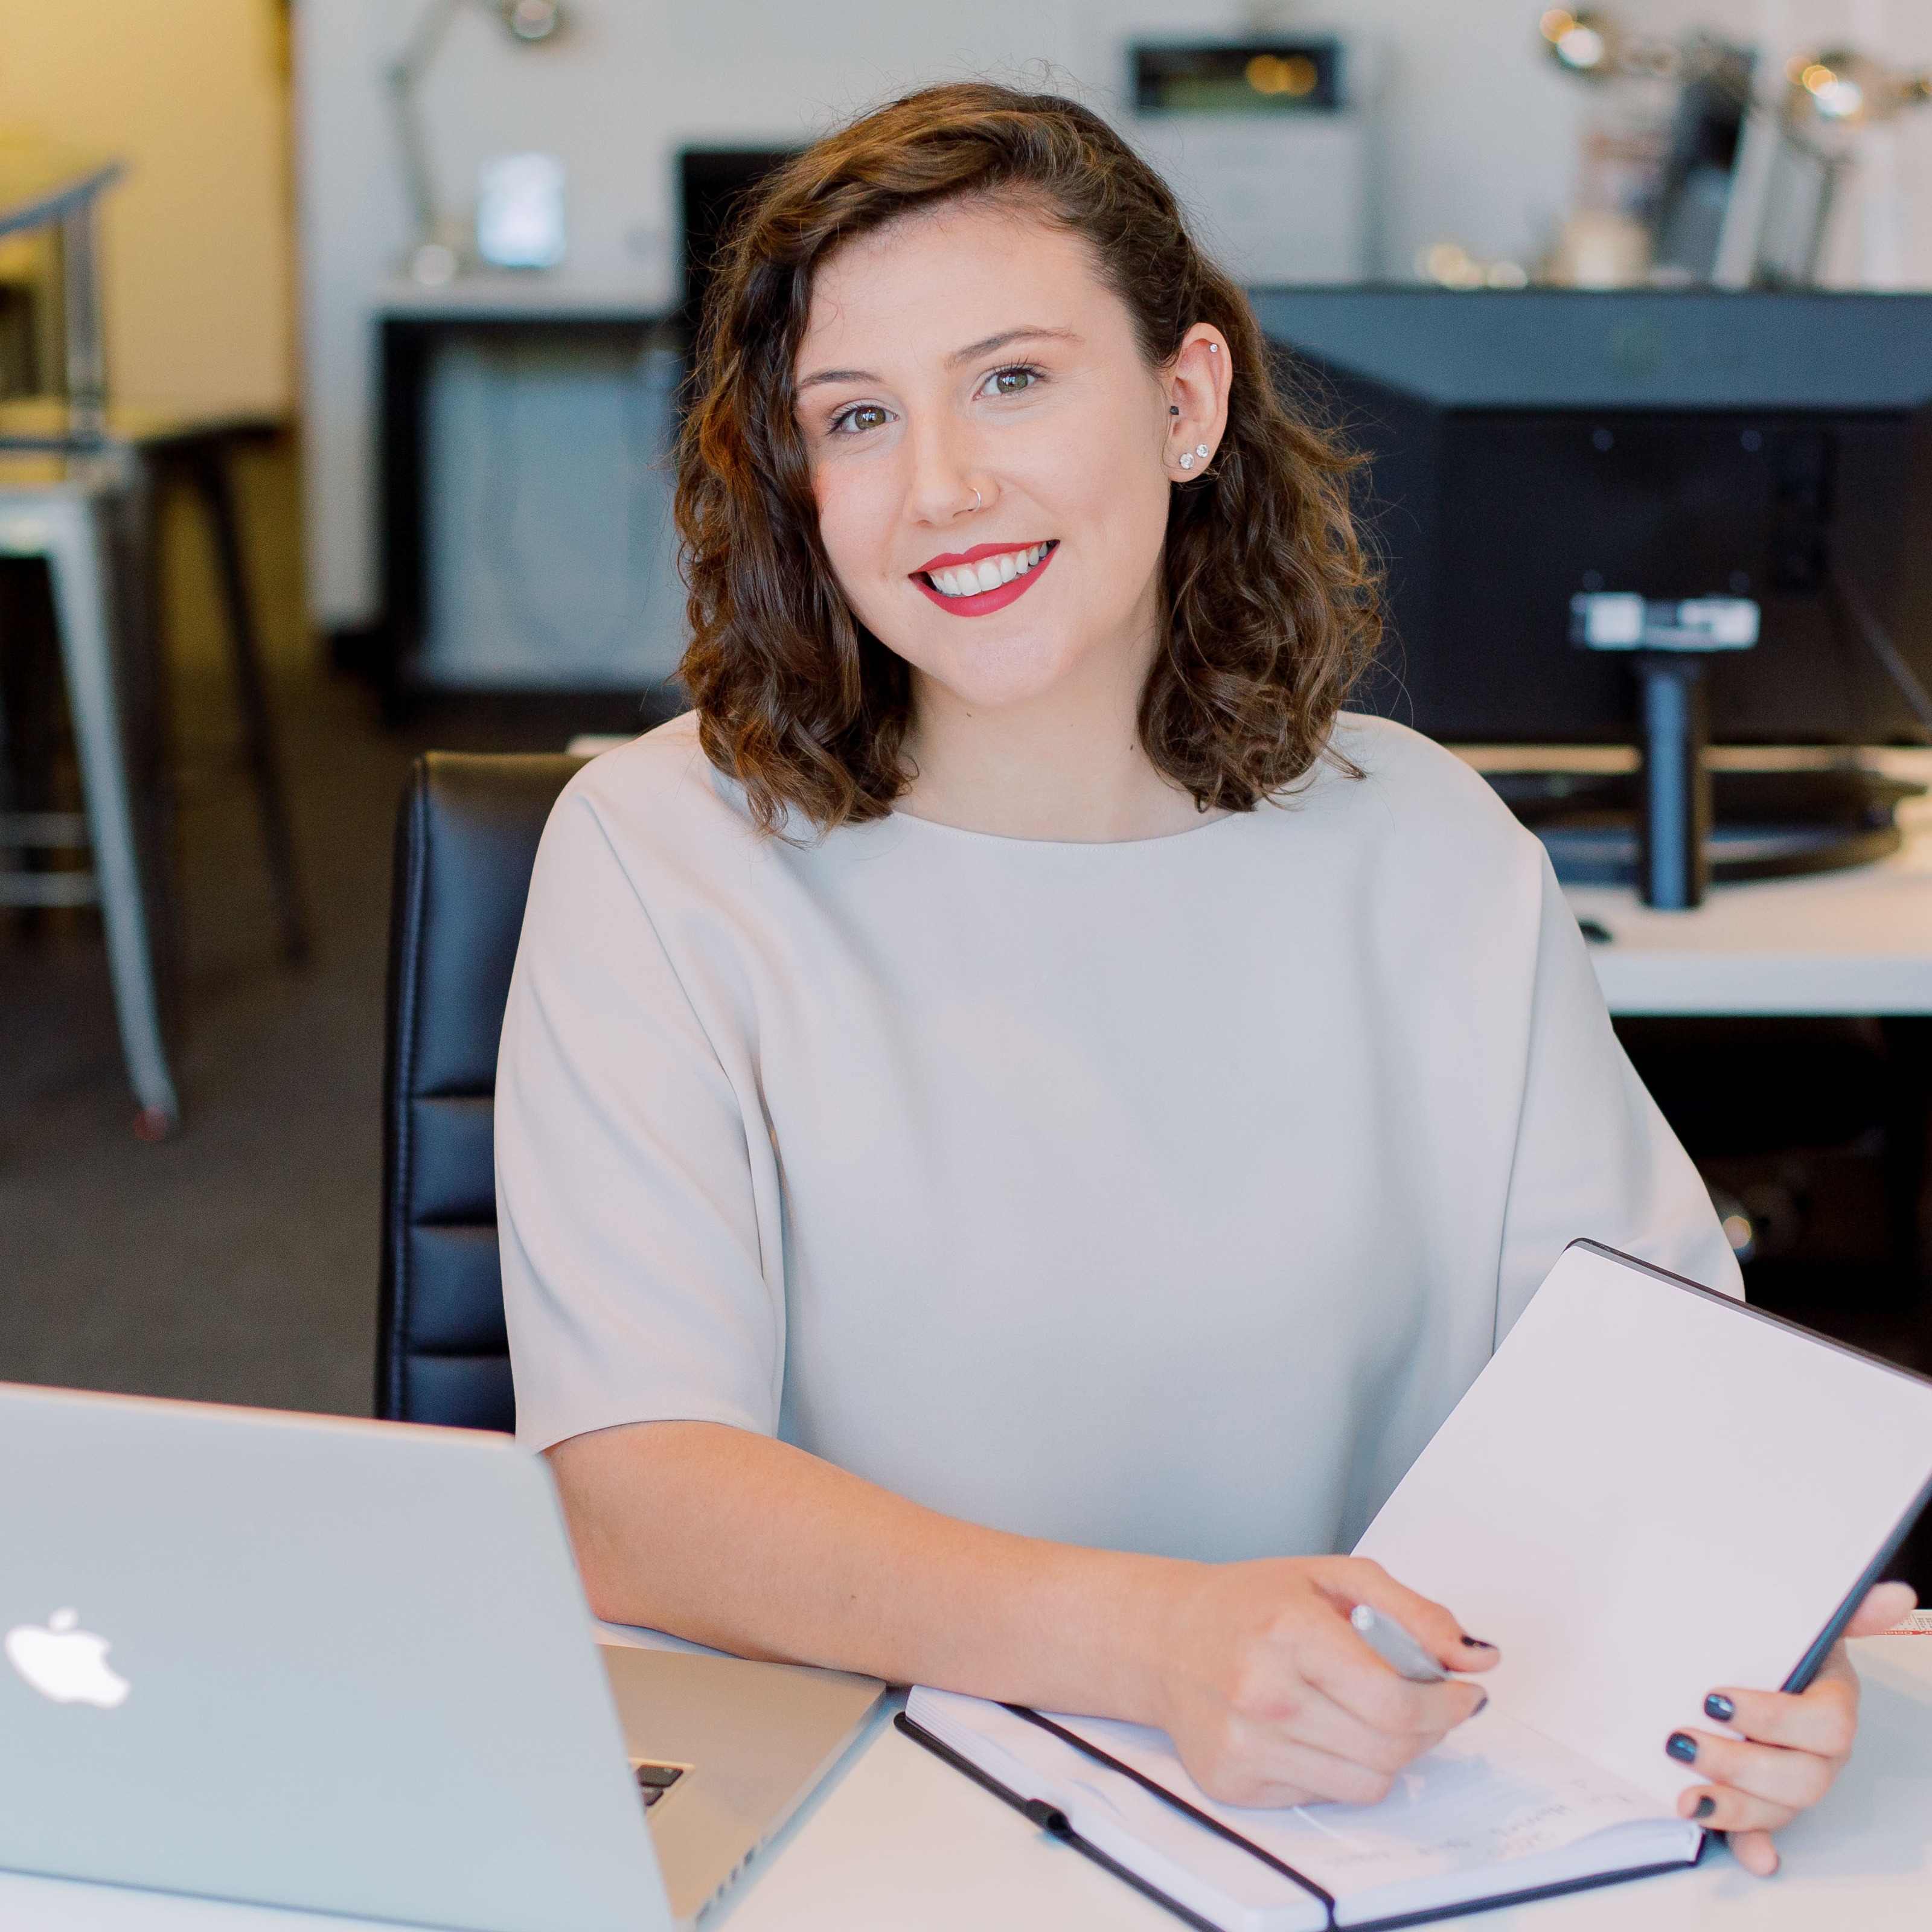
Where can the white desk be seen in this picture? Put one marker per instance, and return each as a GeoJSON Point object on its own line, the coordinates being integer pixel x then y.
{"type": "Point", "coordinates": [897, 1841]}
{"type": "Point", "coordinates": [1852, 942]}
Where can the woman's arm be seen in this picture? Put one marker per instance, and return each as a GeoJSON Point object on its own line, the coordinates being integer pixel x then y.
{"type": "Point", "coordinates": [732, 1539]}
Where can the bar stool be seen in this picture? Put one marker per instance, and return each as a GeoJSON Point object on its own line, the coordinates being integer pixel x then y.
{"type": "Point", "coordinates": [78, 479]}
{"type": "Point", "coordinates": [82, 516]}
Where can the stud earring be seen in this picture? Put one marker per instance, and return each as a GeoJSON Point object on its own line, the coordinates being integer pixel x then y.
{"type": "Point", "coordinates": [1172, 410]}
{"type": "Point", "coordinates": [1200, 449]}
{"type": "Point", "coordinates": [1187, 463]}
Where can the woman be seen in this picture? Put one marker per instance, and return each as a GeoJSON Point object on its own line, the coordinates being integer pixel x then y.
{"type": "Point", "coordinates": [1018, 1118]}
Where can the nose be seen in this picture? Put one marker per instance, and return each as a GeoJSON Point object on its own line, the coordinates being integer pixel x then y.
{"type": "Point", "coordinates": [945, 481]}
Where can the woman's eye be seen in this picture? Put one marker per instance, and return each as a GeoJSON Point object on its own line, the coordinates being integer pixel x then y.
{"type": "Point", "coordinates": [1009, 382]}
{"type": "Point", "coordinates": [859, 418]}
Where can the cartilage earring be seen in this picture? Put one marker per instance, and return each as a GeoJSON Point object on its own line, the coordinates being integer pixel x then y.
{"type": "Point", "coordinates": [1200, 449]}
{"type": "Point", "coordinates": [1173, 409]}
{"type": "Point", "coordinates": [1187, 463]}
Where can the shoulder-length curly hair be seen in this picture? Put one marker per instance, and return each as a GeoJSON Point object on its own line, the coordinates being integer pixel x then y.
{"type": "Point", "coordinates": [1270, 609]}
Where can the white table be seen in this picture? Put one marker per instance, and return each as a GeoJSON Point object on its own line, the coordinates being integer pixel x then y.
{"type": "Point", "coordinates": [1854, 942]}
{"type": "Point", "coordinates": [897, 1841]}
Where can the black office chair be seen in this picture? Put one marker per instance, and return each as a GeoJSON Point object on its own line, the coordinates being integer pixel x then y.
{"type": "Point", "coordinates": [465, 841]}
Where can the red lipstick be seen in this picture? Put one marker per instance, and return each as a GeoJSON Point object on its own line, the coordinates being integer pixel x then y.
{"type": "Point", "coordinates": [985, 602]}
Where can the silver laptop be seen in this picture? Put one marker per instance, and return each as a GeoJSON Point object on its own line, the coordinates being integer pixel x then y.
{"type": "Point", "coordinates": [348, 1667]}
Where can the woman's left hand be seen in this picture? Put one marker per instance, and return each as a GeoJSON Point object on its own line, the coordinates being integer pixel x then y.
{"type": "Point", "coordinates": [1794, 1746]}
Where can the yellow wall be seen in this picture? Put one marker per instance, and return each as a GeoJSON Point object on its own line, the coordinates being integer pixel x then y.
{"type": "Point", "coordinates": [193, 94]}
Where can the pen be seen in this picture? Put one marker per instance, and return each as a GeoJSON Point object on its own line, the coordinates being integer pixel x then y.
{"type": "Point", "coordinates": [1395, 1646]}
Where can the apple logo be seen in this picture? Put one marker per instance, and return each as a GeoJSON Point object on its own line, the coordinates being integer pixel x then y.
{"type": "Point", "coordinates": [68, 1665]}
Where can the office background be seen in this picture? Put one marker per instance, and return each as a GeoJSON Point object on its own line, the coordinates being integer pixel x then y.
{"type": "Point", "coordinates": [257, 261]}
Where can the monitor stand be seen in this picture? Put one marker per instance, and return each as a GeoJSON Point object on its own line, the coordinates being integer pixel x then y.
{"type": "Point", "coordinates": [1674, 797]}
{"type": "Point", "coordinates": [1767, 821]}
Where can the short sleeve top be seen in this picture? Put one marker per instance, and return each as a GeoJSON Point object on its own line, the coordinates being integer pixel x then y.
{"type": "Point", "coordinates": [1162, 1195]}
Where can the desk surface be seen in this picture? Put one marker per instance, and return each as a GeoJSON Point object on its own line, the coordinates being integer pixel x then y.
{"type": "Point", "coordinates": [895, 1839]}
{"type": "Point", "coordinates": [1858, 941]}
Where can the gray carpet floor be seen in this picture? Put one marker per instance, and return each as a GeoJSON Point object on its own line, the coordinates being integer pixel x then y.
{"type": "Point", "coordinates": [237, 1261]}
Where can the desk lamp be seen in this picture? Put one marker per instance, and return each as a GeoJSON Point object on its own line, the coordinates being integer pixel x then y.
{"type": "Point", "coordinates": [437, 254]}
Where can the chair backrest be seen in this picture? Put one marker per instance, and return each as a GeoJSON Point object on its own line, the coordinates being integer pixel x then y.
{"type": "Point", "coordinates": [466, 841]}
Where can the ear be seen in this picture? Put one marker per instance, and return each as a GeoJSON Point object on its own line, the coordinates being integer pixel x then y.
{"type": "Point", "coordinates": [1196, 383]}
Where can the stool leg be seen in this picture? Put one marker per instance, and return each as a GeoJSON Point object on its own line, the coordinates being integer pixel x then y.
{"type": "Point", "coordinates": [78, 560]}
{"type": "Point", "coordinates": [210, 476]}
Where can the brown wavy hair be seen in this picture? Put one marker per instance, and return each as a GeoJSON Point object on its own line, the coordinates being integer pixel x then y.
{"type": "Point", "coordinates": [1270, 613]}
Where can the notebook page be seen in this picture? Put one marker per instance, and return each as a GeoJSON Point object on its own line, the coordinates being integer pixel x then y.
{"type": "Point", "coordinates": [1648, 1493]}
{"type": "Point", "coordinates": [1492, 1793]}
{"type": "Point", "coordinates": [1462, 1822]}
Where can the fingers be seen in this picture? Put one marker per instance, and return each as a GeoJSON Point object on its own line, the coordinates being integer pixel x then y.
{"type": "Point", "coordinates": [1274, 1770]}
{"type": "Point", "coordinates": [1791, 1751]}
{"type": "Point", "coordinates": [1351, 1580]}
{"type": "Point", "coordinates": [1352, 1677]}
{"type": "Point", "coordinates": [1326, 1725]}
{"type": "Point", "coordinates": [1822, 1720]}
{"type": "Point", "coordinates": [1886, 1606]}
{"type": "Point", "coordinates": [1719, 1808]}
{"type": "Point", "coordinates": [1755, 1851]}
{"type": "Point", "coordinates": [1785, 1780]}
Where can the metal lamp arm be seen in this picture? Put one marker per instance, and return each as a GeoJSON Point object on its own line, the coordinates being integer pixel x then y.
{"type": "Point", "coordinates": [405, 76]}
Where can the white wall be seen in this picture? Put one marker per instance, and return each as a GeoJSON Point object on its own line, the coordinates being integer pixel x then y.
{"type": "Point", "coordinates": [1473, 135]}
{"type": "Point", "coordinates": [197, 270]}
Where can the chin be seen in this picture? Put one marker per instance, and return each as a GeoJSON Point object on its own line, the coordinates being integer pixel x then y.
{"type": "Point", "coordinates": [1000, 673]}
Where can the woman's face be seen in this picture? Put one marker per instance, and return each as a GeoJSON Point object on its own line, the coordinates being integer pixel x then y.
{"type": "Point", "coordinates": [991, 457]}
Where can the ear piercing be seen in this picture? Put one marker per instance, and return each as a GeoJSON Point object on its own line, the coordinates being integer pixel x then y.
{"type": "Point", "coordinates": [1187, 462]}
{"type": "Point", "coordinates": [1200, 449]}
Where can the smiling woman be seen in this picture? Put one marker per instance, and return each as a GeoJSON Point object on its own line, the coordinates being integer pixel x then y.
{"type": "Point", "coordinates": [1018, 1119]}
{"type": "Point", "coordinates": [1044, 364]}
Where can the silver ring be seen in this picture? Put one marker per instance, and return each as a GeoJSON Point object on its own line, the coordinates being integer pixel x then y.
{"type": "Point", "coordinates": [978, 502]}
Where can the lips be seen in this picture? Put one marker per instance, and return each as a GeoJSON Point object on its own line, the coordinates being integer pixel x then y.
{"type": "Point", "coordinates": [1018, 564]}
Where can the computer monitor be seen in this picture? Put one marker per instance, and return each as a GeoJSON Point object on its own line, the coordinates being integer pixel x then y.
{"type": "Point", "coordinates": [1527, 446]}
{"type": "Point", "coordinates": [714, 186]}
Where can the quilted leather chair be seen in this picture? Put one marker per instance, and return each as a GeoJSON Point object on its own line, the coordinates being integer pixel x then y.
{"type": "Point", "coordinates": [465, 841]}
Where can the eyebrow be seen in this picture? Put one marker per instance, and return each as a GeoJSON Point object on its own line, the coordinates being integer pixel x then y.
{"type": "Point", "coordinates": [1029, 332]}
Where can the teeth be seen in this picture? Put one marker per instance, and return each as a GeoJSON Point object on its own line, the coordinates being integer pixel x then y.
{"type": "Point", "coordinates": [970, 579]}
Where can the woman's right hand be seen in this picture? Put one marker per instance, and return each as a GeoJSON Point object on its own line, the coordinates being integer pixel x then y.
{"type": "Point", "coordinates": [1272, 1699]}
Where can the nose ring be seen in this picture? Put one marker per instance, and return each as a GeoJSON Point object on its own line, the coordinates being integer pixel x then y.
{"type": "Point", "coordinates": [977, 500]}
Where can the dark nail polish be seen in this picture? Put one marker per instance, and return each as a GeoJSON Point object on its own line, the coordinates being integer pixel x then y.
{"type": "Point", "coordinates": [1477, 1643]}
{"type": "Point", "coordinates": [1682, 1746]}
{"type": "Point", "coordinates": [1482, 1706]}
{"type": "Point", "coordinates": [1706, 1806]}
{"type": "Point", "coordinates": [1720, 1707]}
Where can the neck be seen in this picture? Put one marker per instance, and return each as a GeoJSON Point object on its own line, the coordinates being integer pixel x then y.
{"type": "Point", "coordinates": [1066, 766]}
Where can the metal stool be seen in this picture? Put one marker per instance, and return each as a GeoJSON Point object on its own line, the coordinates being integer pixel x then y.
{"type": "Point", "coordinates": [82, 516]}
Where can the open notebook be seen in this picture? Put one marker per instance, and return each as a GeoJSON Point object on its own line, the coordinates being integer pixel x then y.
{"type": "Point", "coordinates": [1650, 1490]}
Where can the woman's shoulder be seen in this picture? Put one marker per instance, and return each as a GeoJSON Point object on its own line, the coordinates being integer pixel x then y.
{"type": "Point", "coordinates": [1415, 786]}
{"type": "Point", "coordinates": [656, 795]}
